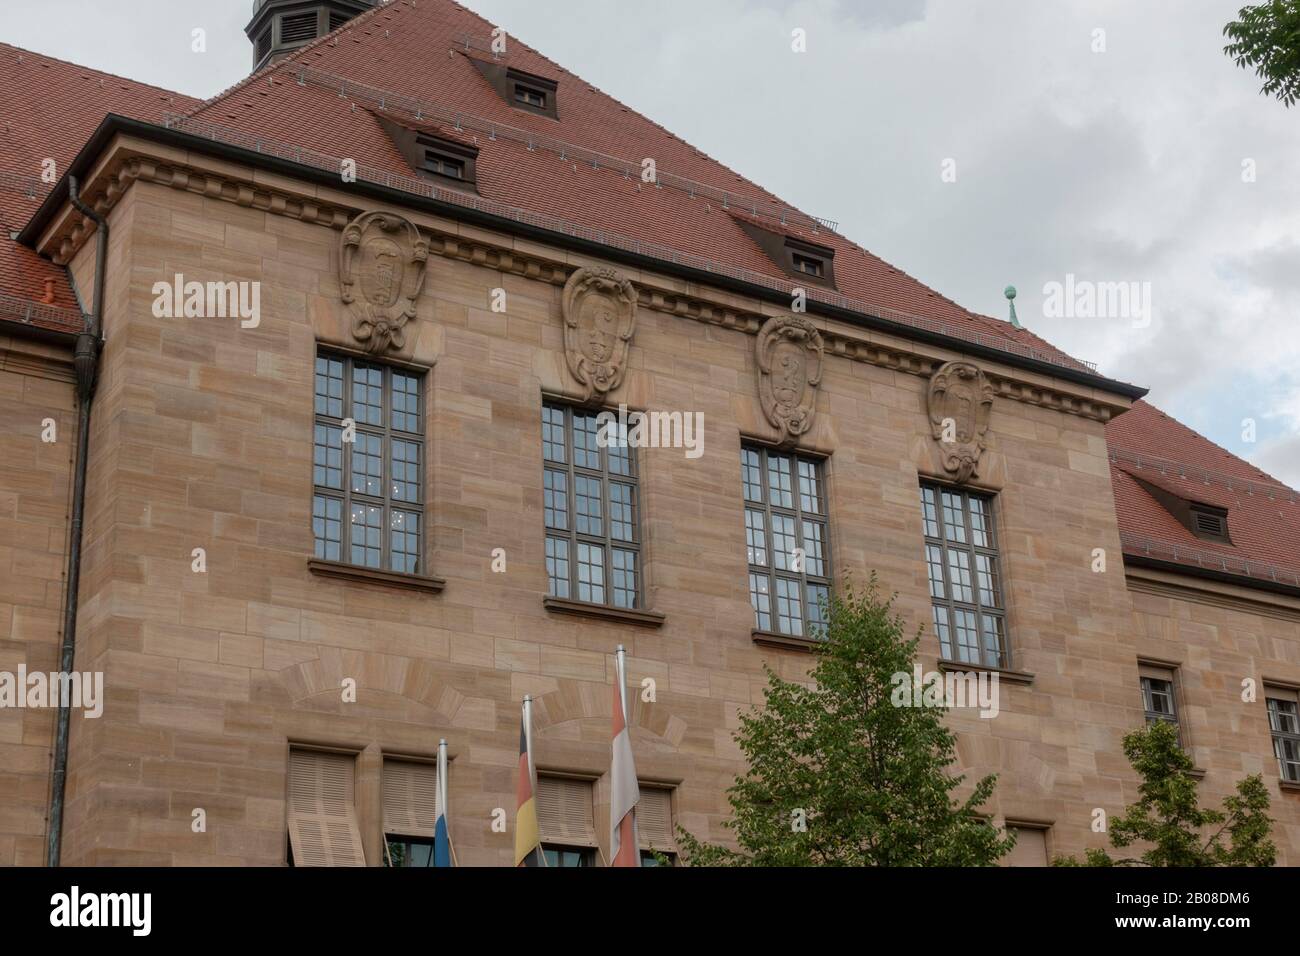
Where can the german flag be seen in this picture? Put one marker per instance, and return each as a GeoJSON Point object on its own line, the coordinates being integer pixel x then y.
{"type": "Point", "coordinates": [528, 841]}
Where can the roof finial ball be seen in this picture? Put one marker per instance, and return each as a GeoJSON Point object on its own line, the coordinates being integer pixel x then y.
{"type": "Point", "coordinates": [1010, 293]}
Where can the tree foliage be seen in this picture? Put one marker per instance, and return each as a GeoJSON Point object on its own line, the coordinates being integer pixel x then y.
{"type": "Point", "coordinates": [840, 776]}
{"type": "Point", "coordinates": [1169, 819]}
{"type": "Point", "coordinates": [1267, 37]}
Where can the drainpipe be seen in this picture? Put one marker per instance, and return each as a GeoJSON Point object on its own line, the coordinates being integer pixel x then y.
{"type": "Point", "coordinates": [85, 361]}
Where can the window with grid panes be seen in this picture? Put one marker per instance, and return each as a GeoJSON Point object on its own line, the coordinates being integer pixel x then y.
{"type": "Point", "coordinates": [961, 555]}
{"type": "Point", "coordinates": [368, 506]}
{"type": "Point", "coordinates": [786, 541]}
{"type": "Point", "coordinates": [590, 501]}
{"type": "Point", "coordinates": [1284, 723]}
{"type": "Point", "coordinates": [1158, 699]}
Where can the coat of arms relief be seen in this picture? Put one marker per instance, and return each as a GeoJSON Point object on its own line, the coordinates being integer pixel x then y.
{"type": "Point", "coordinates": [790, 355]}
{"type": "Point", "coordinates": [382, 261]}
{"type": "Point", "coordinates": [960, 402]}
{"type": "Point", "coordinates": [599, 307]}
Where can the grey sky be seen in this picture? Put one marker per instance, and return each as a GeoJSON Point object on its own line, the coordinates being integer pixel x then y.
{"type": "Point", "coordinates": [1122, 165]}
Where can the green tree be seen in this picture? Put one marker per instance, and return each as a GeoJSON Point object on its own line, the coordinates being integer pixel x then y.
{"type": "Point", "coordinates": [840, 776]}
{"type": "Point", "coordinates": [1169, 819]}
{"type": "Point", "coordinates": [1267, 37]}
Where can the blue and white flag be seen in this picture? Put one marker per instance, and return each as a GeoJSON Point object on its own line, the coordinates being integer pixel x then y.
{"type": "Point", "coordinates": [441, 838]}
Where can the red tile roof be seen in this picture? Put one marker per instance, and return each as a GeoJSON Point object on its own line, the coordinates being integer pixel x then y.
{"type": "Point", "coordinates": [1263, 513]}
{"type": "Point", "coordinates": [50, 109]}
{"type": "Point", "coordinates": [406, 53]}
{"type": "Point", "coordinates": [413, 63]}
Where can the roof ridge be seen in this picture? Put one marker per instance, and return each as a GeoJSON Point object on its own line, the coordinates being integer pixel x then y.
{"type": "Point", "coordinates": [104, 73]}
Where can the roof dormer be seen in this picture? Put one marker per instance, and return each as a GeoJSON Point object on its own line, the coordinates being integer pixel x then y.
{"type": "Point", "coordinates": [1206, 521]}
{"type": "Point", "coordinates": [523, 91]}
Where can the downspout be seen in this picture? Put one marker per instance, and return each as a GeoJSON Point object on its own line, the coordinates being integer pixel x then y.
{"type": "Point", "coordinates": [85, 361]}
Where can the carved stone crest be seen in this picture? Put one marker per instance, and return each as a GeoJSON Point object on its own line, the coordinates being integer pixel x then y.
{"type": "Point", "coordinates": [382, 262]}
{"type": "Point", "coordinates": [790, 355]}
{"type": "Point", "coordinates": [960, 401]}
{"type": "Point", "coordinates": [599, 319]}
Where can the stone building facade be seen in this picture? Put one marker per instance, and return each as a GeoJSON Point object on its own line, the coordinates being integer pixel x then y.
{"type": "Point", "coordinates": [297, 699]}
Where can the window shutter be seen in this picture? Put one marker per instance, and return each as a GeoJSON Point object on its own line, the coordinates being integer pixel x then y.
{"type": "Point", "coordinates": [1155, 672]}
{"type": "Point", "coordinates": [1030, 848]}
{"type": "Point", "coordinates": [323, 827]}
{"type": "Point", "coordinates": [410, 798]}
{"type": "Point", "coordinates": [263, 44]}
{"type": "Point", "coordinates": [1281, 693]}
{"type": "Point", "coordinates": [1210, 524]}
{"type": "Point", "coordinates": [564, 811]}
{"type": "Point", "coordinates": [299, 27]}
{"type": "Point", "coordinates": [654, 819]}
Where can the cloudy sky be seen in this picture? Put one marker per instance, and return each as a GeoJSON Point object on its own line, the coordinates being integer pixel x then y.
{"type": "Point", "coordinates": [972, 143]}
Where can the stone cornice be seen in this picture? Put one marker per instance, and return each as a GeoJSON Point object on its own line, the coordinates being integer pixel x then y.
{"type": "Point", "coordinates": [1237, 597]}
{"type": "Point", "coordinates": [34, 359]}
{"type": "Point", "coordinates": [127, 160]}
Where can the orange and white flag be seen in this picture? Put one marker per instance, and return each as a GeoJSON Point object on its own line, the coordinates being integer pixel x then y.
{"type": "Point", "coordinates": [624, 792]}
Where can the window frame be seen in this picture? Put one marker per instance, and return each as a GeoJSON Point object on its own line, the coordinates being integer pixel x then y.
{"type": "Point", "coordinates": [525, 94]}
{"type": "Point", "coordinates": [648, 854]}
{"type": "Point", "coordinates": [391, 839]}
{"type": "Point", "coordinates": [570, 535]}
{"type": "Point", "coordinates": [801, 520]}
{"type": "Point", "coordinates": [949, 602]}
{"type": "Point", "coordinates": [586, 853]}
{"type": "Point", "coordinates": [435, 160]}
{"type": "Point", "coordinates": [387, 434]}
{"type": "Point", "coordinates": [514, 81]}
{"type": "Point", "coordinates": [1274, 693]}
{"type": "Point", "coordinates": [447, 152]}
{"type": "Point", "coordinates": [1149, 671]}
{"type": "Point", "coordinates": [799, 258]}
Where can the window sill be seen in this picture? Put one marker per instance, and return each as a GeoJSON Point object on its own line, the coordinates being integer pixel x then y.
{"type": "Point", "coordinates": [1196, 773]}
{"type": "Point", "coordinates": [1289, 786]}
{"type": "Point", "coordinates": [1010, 676]}
{"type": "Point", "coordinates": [789, 641]}
{"type": "Point", "coordinates": [620, 615]}
{"type": "Point", "coordinates": [392, 579]}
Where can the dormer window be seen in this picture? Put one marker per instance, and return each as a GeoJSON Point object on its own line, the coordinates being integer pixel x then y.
{"type": "Point", "coordinates": [804, 260]}
{"type": "Point", "coordinates": [530, 96]}
{"type": "Point", "coordinates": [442, 164]}
{"type": "Point", "coordinates": [446, 162]}
{"type": "Point", "coordinates": [1208, 522]}
{"type": "Point", "coordinates": [808, 265]}
{"type": "Point", "coordinates": [523, 91]}
{"type": "Point", "coordinates": [443, 160]}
